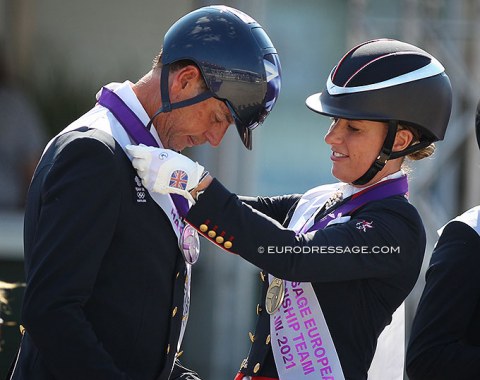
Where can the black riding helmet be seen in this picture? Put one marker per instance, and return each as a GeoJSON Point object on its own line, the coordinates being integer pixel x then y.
{"type": "Point", "coordinates": [236, 58]}
{"type": "Point", "coordinates": [391, 81]}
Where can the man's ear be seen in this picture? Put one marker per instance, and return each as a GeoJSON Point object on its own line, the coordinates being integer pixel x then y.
{"type": "Point", "coordinates": [403, 139]}
{"type": "Point", "coordinates": [185, 79]}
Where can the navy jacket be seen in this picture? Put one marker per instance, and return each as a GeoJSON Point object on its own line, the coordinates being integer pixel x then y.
{"type": "Point", "coordinates": [103, 269]}
{"type": "Point", "coordinates": [445, 338]}
{"type": "Point", "coordinates": [358, 293]}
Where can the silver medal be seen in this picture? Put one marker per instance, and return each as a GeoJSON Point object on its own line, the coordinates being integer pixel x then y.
{"type": "Point", "coordinates": [190, 244]}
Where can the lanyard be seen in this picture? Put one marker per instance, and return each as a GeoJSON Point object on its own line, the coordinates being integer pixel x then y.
{"type": "Point", "coordinates": [137, 132]}
{"type": "Point", "coordinates": [381, 190]}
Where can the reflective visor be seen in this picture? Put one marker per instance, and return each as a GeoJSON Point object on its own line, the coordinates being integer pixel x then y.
{"type": "Point", "coordinates": [250, 98]}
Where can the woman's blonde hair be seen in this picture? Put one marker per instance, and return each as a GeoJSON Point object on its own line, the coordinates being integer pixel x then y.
{"type": "Point", "coordinates": [422, 153]}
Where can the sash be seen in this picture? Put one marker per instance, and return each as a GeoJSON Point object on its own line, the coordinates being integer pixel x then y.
{"type": "Point", "coordinates": [175, 212]}
{"type": "Point", "coordinates": [301, 342]}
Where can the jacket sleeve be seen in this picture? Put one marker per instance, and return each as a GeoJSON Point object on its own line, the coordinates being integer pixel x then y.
{"type": "Point", "coordinates": [76, 219]}
{"type": "Point", "coordinates": [338, 253]}
{"type": "Point", "coordinates": [438, 348]}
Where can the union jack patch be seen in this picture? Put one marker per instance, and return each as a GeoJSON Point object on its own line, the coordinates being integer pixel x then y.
{"type": "Point", "coordinates": [179, 179]}
{"type": "Point", "coordinates": [364, 225]}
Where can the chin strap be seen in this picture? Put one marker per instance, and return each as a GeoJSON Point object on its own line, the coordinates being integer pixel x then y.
{"type": "Point", "coordinates": [166, 105]}
{"type": "Point", "coordinates": [383, 157]}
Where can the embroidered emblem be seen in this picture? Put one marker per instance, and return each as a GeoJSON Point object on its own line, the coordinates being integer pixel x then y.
{"type": "Point", "coordinates": [138, 181]}
{"type": "Point", "coordinates": [140, 191]}
{"type": "Point", "coordinates": [364, 225]}
{"type": "Point", "coordinates": [334, 199]}
{"type": "Point", "coordinates": [179, 179]}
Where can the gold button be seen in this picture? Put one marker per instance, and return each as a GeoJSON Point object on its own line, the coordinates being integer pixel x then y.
{"type": "Point", "coordinates": [228, 244]}
{"type": "Point", "coordinates": [251, 336]}
{"type": "Point", "coordinates": [168, 349]}
{"type": "Point", "coordinates": [179, 354]}
{"type": "Point", "coordinates": [212, 234]}
{"type": "Point", "coordinates": [203, 228]}
{"type": "Point", "coordinates": [219, 239]}
{"type": "Point", "coordinates": [178, 274]}
{"type": "Point", "coordinates": [256, 368]}
{"type": "Point", "coordinates": [259, 309]}
{"type": "Point", "coordinates": [267, 341]}
{"type": "Point", "coordinates": [262, 276]}
{"type": "Point", "coordinates": [174, 312]}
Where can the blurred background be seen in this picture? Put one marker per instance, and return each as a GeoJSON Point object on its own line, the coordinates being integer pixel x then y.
{"type": "Point", "coordinates": [55, 55]}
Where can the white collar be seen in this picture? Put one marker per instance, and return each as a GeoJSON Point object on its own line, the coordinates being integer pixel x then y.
{"type": "Point", "coordinates": [125, 92]}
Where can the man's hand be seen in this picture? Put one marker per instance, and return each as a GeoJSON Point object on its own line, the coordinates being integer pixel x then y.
{"type": "Point", "coordinates": [165, 171]}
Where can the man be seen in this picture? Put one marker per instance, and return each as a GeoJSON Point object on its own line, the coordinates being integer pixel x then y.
{"type": "Point", "coordinates": [107, 291]}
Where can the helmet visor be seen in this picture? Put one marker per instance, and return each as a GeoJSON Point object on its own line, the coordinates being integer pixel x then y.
{"type": "Point", "coordinates": [251, 102]}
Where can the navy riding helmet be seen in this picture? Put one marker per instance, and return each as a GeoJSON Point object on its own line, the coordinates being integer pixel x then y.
{"type": "Point", "coordinates": [236, 58]}
{"type": "Point", "coordinates": [391, 81]}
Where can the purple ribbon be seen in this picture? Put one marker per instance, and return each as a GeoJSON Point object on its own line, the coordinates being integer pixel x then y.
{"type": "Point", "coordinates": [137, 132]}
{"type": "Point", "coordinates": [384, 189]}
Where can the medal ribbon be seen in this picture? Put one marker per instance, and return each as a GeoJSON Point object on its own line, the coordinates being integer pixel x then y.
{"type": "Point", "coordinates": [137, 132]}
{"type": "Point", "coordinates": [301, 341]}
{"type": "Point", "coordinates": [140, 135]}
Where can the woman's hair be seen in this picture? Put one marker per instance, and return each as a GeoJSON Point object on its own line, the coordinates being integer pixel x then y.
{"type": "Point", "coordinates": [422, 153]}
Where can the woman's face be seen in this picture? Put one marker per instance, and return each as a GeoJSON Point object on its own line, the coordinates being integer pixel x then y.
{"type": "Point", "coordinates": [355, 146]}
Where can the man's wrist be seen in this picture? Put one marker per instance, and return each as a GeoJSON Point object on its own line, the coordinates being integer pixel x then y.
{"type": "Point", "coordinates": [203, 184]}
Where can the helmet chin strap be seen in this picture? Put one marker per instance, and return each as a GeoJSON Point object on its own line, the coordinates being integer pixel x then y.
{"type": "Point", "coordinates": [166, 105]}
{"type": "Point", "coordinates": [383, 157]}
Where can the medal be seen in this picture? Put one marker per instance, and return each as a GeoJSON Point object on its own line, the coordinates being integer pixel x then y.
{"type": "Point", "coordinates": [189, 244]}
{"type": "Point", "coordinates": [275, 294]}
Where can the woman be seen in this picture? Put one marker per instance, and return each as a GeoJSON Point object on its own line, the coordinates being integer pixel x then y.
{"type": "Point", "coordinates": [445, 338]}
{"type": "Point", "coordinates": [341, 258]}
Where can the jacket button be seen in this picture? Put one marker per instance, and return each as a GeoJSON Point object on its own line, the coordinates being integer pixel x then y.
{"type": "Point", "coordinates": [256, 368]}
{"type": "Point", "coordinates": [219, 239]}
{"type": "Point", "coordinates": [228, 244]}
{"type": "Point", "coordinates": [174, 312]}
{"type": "Point", "coordinates": [212, 234]}
{"type": "Point", "coordinates": [203, 227]}
{"type": "Point", "coordinates": [267, 341]}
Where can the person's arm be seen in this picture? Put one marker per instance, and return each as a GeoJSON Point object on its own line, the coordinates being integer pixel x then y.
{"type": "Point", "coordinates": [438, 347]}
{"type": "Point", "coordinates": [308, 257]}
{"type": "Point", "coordinates": [75, 225]}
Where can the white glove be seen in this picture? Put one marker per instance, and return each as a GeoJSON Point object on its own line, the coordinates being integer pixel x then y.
{"type": "Point", "coordinates": [165, 171]}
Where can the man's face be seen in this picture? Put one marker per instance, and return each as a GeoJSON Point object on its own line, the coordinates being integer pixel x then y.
{"type": "Point", "coordinates": [197, 124]}
{"type": "Point", "coordinates": [206, 121]}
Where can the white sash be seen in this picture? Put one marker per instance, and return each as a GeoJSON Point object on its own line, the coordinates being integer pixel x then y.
{"type": "Point", "coordinates": [299, 325]}
{"type": "Point", "coordinates": [97, 118]}
{"type": "Point", "coordinates": [301, 341]}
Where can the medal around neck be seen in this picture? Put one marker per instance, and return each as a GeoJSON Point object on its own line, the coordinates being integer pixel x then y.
{"type": "Point", "coordinates": [189, 244]}
{"type": "Point", "coordinates": [275, 295]}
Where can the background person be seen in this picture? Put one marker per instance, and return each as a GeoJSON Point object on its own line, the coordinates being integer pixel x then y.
{"type": "Point", "coordinates": [321, 313]}
{"type": "Point", "coordinates": [107, 265]}
{"type": "Point", "coordinates": [445, 337]}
